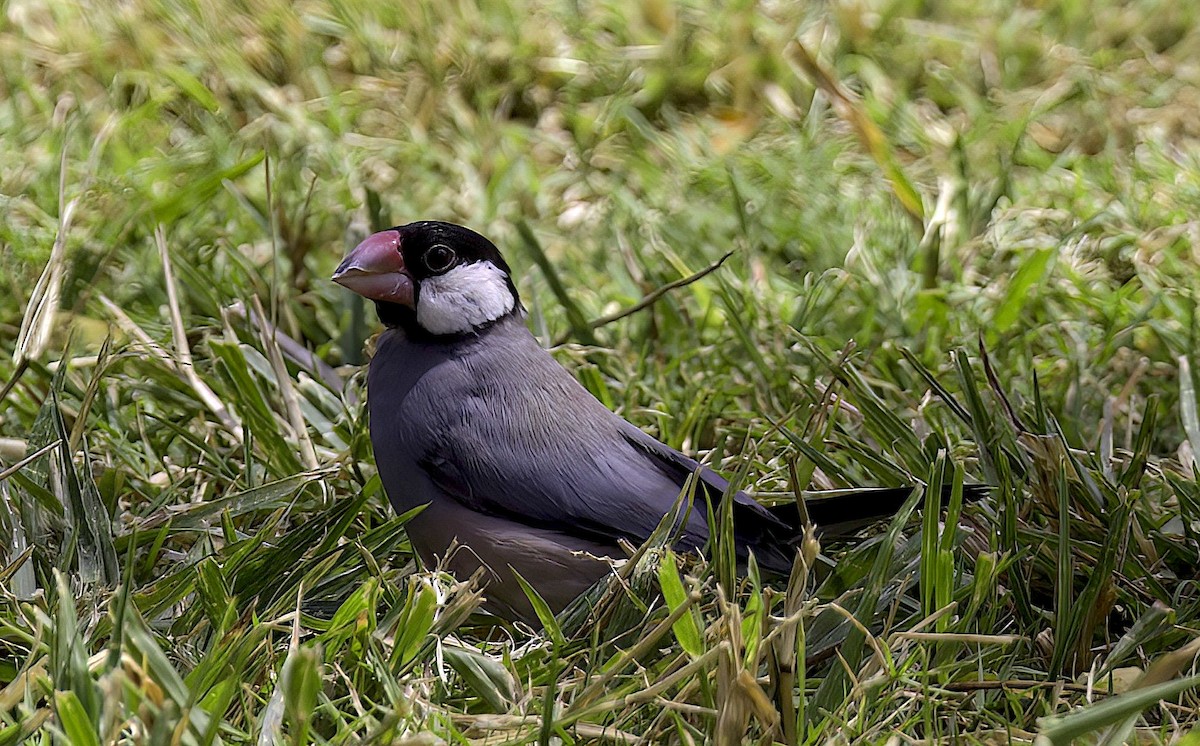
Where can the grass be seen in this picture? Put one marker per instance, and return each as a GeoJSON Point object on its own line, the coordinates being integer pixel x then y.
{"type": "Point", "coordinates": [963, 242]}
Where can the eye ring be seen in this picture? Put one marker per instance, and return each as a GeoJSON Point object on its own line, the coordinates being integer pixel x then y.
{"type": "Point", "coordinates": [439, 257]}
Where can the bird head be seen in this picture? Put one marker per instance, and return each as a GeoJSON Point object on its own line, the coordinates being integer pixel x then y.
{"type": "Point", "coordinates": [435, 278]}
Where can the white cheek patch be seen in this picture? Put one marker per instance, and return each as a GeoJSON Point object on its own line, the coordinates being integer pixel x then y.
{"type": "Point", "coordinates": [466, 297]}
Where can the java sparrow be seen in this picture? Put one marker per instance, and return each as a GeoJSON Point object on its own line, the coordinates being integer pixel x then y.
{"type": "Point", "coordinates": [509, 454]}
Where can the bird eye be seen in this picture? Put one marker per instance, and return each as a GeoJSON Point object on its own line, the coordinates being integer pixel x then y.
{"type": "Point", "coordinates": [439, 258]}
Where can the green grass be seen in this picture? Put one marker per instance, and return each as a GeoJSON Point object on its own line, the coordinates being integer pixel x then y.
{"type": "Point", "coordinates": [964, 249]}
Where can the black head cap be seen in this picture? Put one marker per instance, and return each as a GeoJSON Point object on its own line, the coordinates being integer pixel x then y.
{"type": "Point", "coordinates": [431, 247]}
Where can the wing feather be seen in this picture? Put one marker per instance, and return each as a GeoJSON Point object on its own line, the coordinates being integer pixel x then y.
{"type": "Point", "coordinates": [510, 433]}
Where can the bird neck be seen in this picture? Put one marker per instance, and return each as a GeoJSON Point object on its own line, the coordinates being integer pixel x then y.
{"type": "Point", "coordinates": [404, 318]}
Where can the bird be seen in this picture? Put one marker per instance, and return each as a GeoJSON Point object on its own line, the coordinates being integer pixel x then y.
{"type": "Point", "coordinates": [517, 466]}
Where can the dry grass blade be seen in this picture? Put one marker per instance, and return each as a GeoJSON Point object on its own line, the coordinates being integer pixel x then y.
{"type": "Point", "coordinates": [38, 321]}
{"type": "Point", "coordinates": [966, 638]}
{"type": "Point", "coordinates": [699, 666]}
{"type": "Point", "coordinates": [652, 297]}
{"type": "Point", "coordinates": [1188, 409]}
{"type": "Point", "coordinates": [184, 370]}
{"type": "Point", "coordinates": [293, 350]}
{"type": "Point", "coordinates": [8, 472]}
{"type": "Point", "coordinates": [486, 727]}
{"type": "Point", "coordinates": [287, 391]}
{"type": "Point", "coordinates": [847, 105]}
{"type": "Point", "coordinates": [182, 362]}
{"type": "Point", "coordinates": [643, 646]}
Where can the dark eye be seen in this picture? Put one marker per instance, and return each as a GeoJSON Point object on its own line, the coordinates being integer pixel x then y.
{"type": "Point", "coordinates": [439, 258]}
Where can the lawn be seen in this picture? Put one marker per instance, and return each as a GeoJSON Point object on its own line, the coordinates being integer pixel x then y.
{"type": "Point", "coordinates": [963, 248]}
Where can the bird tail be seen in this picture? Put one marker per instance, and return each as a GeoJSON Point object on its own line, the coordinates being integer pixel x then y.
{"type": "Point", "coordinates": [844, 512]}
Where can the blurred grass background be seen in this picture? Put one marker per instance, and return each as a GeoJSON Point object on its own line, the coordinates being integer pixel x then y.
{"type": "Point", "coordinates": [193, 545]}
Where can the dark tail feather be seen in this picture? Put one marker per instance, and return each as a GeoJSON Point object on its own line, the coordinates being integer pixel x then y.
{"type": "Point", "coordinates": [844, 512]}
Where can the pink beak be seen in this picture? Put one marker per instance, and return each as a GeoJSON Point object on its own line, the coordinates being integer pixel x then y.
{"type": "Point", "coordinates": [375, 269]}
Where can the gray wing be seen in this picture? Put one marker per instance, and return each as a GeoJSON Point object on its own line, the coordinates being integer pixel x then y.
{"type": "Point", "coordinates": [503, 429]}
{"type": "Point", "coordinates": [755, 528]}
{"type": "Point", "coordinates": [590, 483]}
